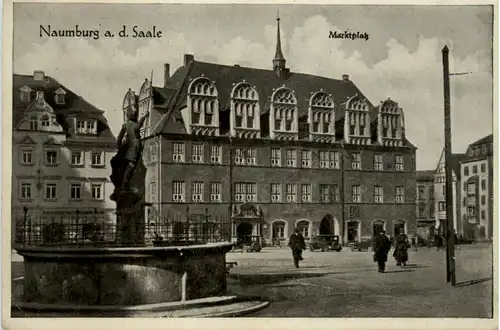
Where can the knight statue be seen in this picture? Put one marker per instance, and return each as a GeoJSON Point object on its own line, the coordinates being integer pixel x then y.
{"type": "Point", "coordinates": [129, 152]}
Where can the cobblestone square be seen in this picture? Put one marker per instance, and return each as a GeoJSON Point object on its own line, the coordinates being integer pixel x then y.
{"type": "Point", "coordinates": [347, 284]}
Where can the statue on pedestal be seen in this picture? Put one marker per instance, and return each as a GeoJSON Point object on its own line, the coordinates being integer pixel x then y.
{"type": "Point", "coordinates": [129, 145]}
{"type": "Point", "coordinates": [129, 218]}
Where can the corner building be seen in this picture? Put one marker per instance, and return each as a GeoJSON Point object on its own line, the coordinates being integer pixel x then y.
{"type": "Point", "coordinates": [275, 150]}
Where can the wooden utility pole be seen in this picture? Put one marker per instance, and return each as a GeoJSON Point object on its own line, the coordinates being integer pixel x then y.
{"type": "Point", "coordinates": [449, 232]}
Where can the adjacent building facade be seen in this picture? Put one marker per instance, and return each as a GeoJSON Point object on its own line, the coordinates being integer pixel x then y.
{"type": "Point", "coordinates": [477, 190]}
{"type": "Point", "coordinates": [426, 208]}
{"type": "Point", "coordinates": [276, 150]}
{"type": "Point", "coordinates": [61, 150]}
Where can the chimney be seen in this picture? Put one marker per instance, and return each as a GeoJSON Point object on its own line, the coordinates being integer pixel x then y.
{"type": "Point", "coordinates": [188, 58]}
{"type": "Point", "coordinates": [38, 75]}
{"type": "Point", "coordinates": [345, 77]}
{"type": "Point", "coordinates": [166, 74]}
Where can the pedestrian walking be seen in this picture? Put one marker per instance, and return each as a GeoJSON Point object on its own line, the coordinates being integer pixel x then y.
{"type": "Point", "coordinates": [414, 242]}
{"type": "Point", "coordinates": [401, 250]}
{"type": "Point", "coordinates": [297, 244]}
{"type": "Point", "coordinates": [381, 248]}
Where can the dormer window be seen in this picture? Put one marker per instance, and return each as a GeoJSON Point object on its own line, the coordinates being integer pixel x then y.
{"type": "Point", "coordinates": [25, 94]}
{"type": "Point", "coordinates": [39, 95]}
{"type": "Point", "coordinates": [390, 124]}
{"type": "Point", "coordinates": [244, 111]}
{"type": "Point", "coordinates": [203, 107]}
{"type": "Point", "coordinates": [59, 96]}
{"type": "Point", "coordinates": [34, 123]}
{"type": "Point", "coordinates": [91, 127]}
{"type": "Point", "coordinates": [284, 114]}
{"type": "Point", "coordinates": [45, 122]}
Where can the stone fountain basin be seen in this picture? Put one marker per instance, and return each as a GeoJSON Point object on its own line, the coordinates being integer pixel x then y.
{"type": "Point", "coordinates": [93, 277]}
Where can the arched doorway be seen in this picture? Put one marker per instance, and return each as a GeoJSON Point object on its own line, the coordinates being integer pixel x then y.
{"type": "Point", "coordinates": [377, 226]}
{"type": "Point", "coordinates": [278, 232]}
{"type": "Point", "coordinates": [327, 226]}
{"type": "Point", "coordinates": [244, 232]}
{"type": "Point", "coordinates": [305, 228]}
{"type": "Point", "coordinates": [399, 227]}
{"type": "Point", "coordinates": [352, 231]}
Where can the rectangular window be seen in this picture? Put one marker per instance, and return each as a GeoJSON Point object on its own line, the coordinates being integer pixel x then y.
{"type": "Point", "coordinates": [483, 168]}
{"type": "Point", "coordinates": [356, 161]}
{"type": "Point", "coordinates": [51, 157]}
{"type": "Point", "coordinates": [245, 156]}
{"type": "Point", "coordinates": [152, 191]}
{"type": "Point", "coordinates": [50, 190]}
{"type": "Point", "coordinates": [326, 123]}
{"type": "Point", "coordinates": [75, 191]}
{"type": "Point", "coordinates": [275, 192]}
{"type": "Point", "coordinates": [245, 192]}
{"type": "Point", "coordinates": [334, 160]}
{"type": "Point", "coordinates": [483, 184]}
{"type": "Point", "coordinates": [154, 152]}
{"type": "Point", "coordinates": [178, 192]}
{"type": "Point", "coordinates": [80, 127]}
{"type": "Point", "coordinates": [76, 157]}
{"type": "Point", "coordinates": [471, 211]}
{"type": "Point", "coordinates": [471, 189]}
{"type": "Point", "coordinates": [316, 121]}
{"type": "Point", "coordinates": [356, 194]}
{"type": "Point", "coordinates": [399, 163]}
{"type": "Point", "coordinates": [197, 153]}
{"type": "Point", "coordinates": [91, 127]}
{"type": "Point", "coordinates": [26, 190]}
{"type": "Point", "coordinates": [178, 152]}
{"type": "Point", "coordinates": [400, 194]}
{"type": "Point", "coordinates": [441, 206]}
{"type": "Point", "coordinates": [378, 194]}
{"type": "Point", "coordinates": [324, 192]}
{"type": "Point", "coordinates": [275, 157]}
{"type": "Point", "coordinates": [59, 98]}
{"type": "Point", "coordinates": [483, 200]}
{"type": "Point", "coordinates": [34, 124]}
{"type": "Point", "coordinates": [305, 193]}
{"type": "Point", "coordinates": [25, 96]}
{"type": "Point", "coordinates": [291, 157]}
{"type": "Point", "coordinates": [291, 193]}
{"type": "Point", "coordinates": [215, 192]}
{"type": "Point", "coordinates": [26, 156]}
{"type": "Point", "coordinates": [483, 215]}
{"type": "Point", "coordinates": [444, 190]}
{"type": "Point", "coordinates": [377, 162]}
{"type": "Point", "coordinates": [421, 210]}
{"type": "Point", "coordinates": [97, 190]}
{"type": "Point", "coordinates": [431, 192]}
{"type": "Point", "coordinates": [197, 188]}
{"type": "Point", "coordinates": [323, 159]}
{"type": "Point", "coordinates": [97, 158]}
{"type": "Point", "coordinates": [474, 169]}
{"type": "Point", "coordinates": [306, 158]}
{"type": "Point", "coordinates": [421, 193]}
{"type": "Point", "coordinates": [215, 156]}
{"type": "Point", "coordinates": [466, 170]}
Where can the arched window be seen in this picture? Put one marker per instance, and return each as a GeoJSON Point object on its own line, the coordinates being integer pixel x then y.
{"type": "Point", "coordinates": [285, 110]}
{"type": "Point", "coordinates": [202, 98]}
{"type": "Point", "coordinates": [304, 227]}
{"type": "Point", "coordinates": [278, 229]}
{"type": "Point", "coordinates": [245, 105]}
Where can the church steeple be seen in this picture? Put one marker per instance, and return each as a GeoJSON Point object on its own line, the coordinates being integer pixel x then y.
{"type": "Point", "coordinates": [279, 60]}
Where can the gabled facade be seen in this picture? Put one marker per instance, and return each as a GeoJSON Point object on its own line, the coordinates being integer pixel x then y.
{"type": "Point", "coordinates": [304, 150]}
{"type": "Point", "coordinates": [61, 150]}
{"type": "Point", "coordinates": [477, 190]}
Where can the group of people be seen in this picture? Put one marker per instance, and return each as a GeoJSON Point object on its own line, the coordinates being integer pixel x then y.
{"type": "Point", "coordinates": [381, 247]}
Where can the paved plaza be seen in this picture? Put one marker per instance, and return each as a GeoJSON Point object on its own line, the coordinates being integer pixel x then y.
{"type": "Point", "coordinates": [347, 284]}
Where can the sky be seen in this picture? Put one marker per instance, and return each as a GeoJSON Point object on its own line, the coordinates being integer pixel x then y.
{"type": "Point", "coordinates": [401, 58]}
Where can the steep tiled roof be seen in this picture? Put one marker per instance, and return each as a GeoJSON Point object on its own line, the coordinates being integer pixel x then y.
{"type": "Point", "coordinates": [427, 175]}
{"type": "Point", "coordinates": [171, 98]}
{"type": "Point", "coordinates": [486, 139]}
{"type": "Point", "coordinates": [74, 104]}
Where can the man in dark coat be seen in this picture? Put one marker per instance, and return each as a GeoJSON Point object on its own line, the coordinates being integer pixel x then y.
{"type": "Point", "coordinates": [382, 245]}
{"type": "Point", "coordinates": [297, 244]}
{"type": "Point", "coordinates": [401, 250]}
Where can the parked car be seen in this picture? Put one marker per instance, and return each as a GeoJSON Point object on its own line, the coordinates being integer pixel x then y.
{"type": "Point", "coordinates": [325, 243]}
{"type": "Point", "coordinates": [361, 246]}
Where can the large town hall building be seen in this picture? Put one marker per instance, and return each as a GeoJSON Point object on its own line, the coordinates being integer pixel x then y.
{"type": "Point", "coordinates": [275, 150]}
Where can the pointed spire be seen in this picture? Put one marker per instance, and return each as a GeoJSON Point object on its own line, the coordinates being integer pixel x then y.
{"type": "Point", "coordinates": [279, 60]}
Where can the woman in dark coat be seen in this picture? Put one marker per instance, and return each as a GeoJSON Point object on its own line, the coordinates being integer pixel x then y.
{"type": "Point", "coordinates": [401, 250]}
{"type": "Point", "coordinates": [381, 248]}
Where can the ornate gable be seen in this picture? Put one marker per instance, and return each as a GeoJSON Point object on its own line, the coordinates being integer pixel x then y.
{"type": "Point", "coordinates": [39, 104]}
{"type": "Point", "coordinates": [27, 140]}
